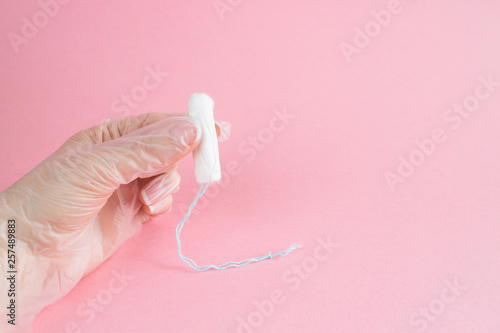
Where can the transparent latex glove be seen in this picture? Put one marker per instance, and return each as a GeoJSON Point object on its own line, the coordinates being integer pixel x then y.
{"type": "Point", "coordinates": [79, 205]}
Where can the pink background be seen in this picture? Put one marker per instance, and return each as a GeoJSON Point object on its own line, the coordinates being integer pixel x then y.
{"type": "Point", "coordinates": [322, 175]}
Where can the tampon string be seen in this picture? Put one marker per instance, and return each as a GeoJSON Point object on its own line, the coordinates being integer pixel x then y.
{"type": "Point", "coordinates": [228, 264]}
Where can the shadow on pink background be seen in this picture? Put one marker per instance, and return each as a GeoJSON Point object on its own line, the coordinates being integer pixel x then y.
{"type": "Point", "coordinates": [368, 132]}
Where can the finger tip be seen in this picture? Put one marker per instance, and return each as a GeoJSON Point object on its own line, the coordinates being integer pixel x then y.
{"type": "Point", "coordinates": [161, 207]}
{"type": "Point", "coordinates": [217, 130]}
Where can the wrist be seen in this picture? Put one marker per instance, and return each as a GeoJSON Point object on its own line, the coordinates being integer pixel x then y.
{"type": "Point", "coordinates": [41, 272]}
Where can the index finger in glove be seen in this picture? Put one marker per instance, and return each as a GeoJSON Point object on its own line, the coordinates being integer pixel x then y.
{"type": "Point", "coordinates": [142, 153]}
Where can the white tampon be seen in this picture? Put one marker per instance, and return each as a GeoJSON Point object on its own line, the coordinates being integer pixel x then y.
{"type": "Point", "coordinates": [207, 170]}
{"type": "Point", "coordinates": [206, 155]}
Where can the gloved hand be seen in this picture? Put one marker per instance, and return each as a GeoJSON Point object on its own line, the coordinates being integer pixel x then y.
{"type": "Point", "coordinates": [76, 208]}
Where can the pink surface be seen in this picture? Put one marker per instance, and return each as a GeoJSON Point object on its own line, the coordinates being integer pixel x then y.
{"type": "Point", "coordinates": [422, 254]}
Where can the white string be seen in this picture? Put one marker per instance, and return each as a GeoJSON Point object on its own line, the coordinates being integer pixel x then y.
{"type": "Point", "coordinates": [228, 264]}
